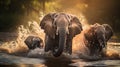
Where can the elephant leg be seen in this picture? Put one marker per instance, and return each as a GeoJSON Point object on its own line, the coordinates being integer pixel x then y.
{"type": "Point", "coordinates": [103, 52]}
{"type": "Point", "coordinates": [48, 43]}
{"type": "Point", "coordinates": [69, 46]}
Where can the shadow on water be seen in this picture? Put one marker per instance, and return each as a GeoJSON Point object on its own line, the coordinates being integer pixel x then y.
{"type": "Point", "coordinates": [58, 62]}
{"type": "Point", "coordinates": [17, 60]}
{"type": "Point", "coordinates": [48, 62]}
{"type": "Point", "coordinates": [38, 58]}
{"type": "Point", "coordinates": [7, 60]}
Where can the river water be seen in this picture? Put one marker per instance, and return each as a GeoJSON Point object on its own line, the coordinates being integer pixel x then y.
{"type": "Point", "coordinates": [38, 58]}
{"type": "Point", "coordinates": [11, 61]}
{"type": "Point", "coordinates": [35, 59]}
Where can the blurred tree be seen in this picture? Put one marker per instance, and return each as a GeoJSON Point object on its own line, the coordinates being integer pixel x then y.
{"type": "Point", "coordinates": [104, 11]}
{"type": "Point", "coordinates": [16, 12]}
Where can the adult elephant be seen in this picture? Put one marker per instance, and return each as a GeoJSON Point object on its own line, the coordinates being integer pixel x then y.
{"type": "Point", "coordinates": [60, 28]}
{"type": "Point", "coordinates": [97, 37]}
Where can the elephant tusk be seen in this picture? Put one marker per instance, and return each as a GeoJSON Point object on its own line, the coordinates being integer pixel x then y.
{"type": "Point", "coordinates": [67, 30]}
{"type": "Point", "coordinates": [57, 31]}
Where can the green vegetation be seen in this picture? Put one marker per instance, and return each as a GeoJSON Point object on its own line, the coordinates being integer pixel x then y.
{"type": "Point", "coordinates": [16, 12]}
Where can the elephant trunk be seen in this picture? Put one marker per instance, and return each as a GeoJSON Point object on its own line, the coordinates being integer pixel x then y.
{"type": "Point", "coordinates": [102, 44]}
{"type": "Point", "coordinates": [62, 42]}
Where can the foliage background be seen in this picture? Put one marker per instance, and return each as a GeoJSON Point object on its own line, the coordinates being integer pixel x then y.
{"type": "Point", "coordinates": [16, 12]}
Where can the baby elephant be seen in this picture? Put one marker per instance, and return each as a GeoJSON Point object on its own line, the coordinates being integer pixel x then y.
{"type": "Point", "coordinates": [33, 42]}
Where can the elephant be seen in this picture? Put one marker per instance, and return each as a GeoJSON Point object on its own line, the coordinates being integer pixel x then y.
{"type": "Point", "coordinates": [97, 37]}
{"type": "Point", "coordinates": [33, 42]}
{"type": "Point", "coordinates": [60, 28]}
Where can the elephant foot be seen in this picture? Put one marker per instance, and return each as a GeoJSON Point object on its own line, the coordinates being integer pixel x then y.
{"type": "Point", "coordinates": [48, 43]}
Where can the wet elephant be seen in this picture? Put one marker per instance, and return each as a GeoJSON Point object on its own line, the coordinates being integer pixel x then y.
{"type": "Point", "coordinates": [97, 37]}
{"type": "Point", "coordinates": [33, 42]}
{"type": "Point", "coordinates": [60, 28]}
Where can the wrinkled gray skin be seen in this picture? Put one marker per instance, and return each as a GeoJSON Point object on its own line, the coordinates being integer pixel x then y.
{"type": "Point", "coordinates": [97, 41]}
{"type": "Point", "coordinates": [60, 28]}
{"type": "Point", "coordinates": [33, 42]}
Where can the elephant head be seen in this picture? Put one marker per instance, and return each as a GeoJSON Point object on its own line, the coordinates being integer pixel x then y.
{"type": "Point", "coordinates": [61, 25]}
{"type": "Point", "coordinates": [33, 42]}
{"type": "Point", "coordinates": [108, 31]}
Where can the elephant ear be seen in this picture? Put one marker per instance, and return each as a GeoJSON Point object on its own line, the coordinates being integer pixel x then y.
{"type": "Point", "coordinates": [47, 24]}
{"type": "Point", "coordinates": [75, 26]}
{"type": "Point", "coordinates": [108, 31]}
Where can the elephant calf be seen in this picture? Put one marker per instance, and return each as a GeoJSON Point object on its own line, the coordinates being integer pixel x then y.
{"type": "Point", "coordinates": [97, 37]}
{"type": "Point", "coordinates": [33, 42]}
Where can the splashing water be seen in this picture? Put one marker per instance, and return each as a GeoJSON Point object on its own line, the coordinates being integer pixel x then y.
{"type": "Point", "coordinates": [32, 28]}
{"type": "Point", "coordinates": [18, 45]}
{"type": "Point", "coordinates": [78, 48]}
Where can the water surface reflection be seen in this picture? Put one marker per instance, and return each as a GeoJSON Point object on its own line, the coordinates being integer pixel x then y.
{"type": "Point", "coordinates": [37, 58]}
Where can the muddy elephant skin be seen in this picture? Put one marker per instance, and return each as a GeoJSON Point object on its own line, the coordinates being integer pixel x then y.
{"type": "Point", "coordinates": [60, 28]}
{"type": "Point", "coordinates": [97, 37]}
{"type": "Point", "coordinates": [33, 42]}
